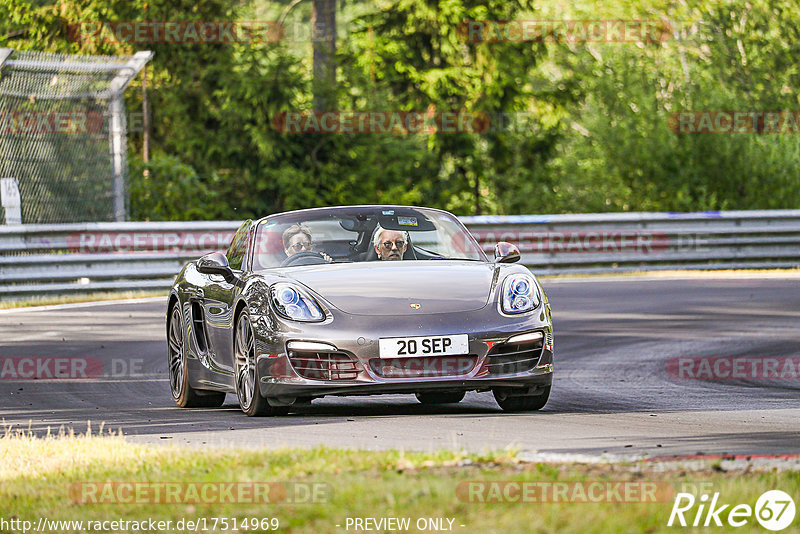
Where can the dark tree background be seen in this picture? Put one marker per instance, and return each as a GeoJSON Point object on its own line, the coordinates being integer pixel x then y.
{"type": "Point", "coordinates": [577, 127]}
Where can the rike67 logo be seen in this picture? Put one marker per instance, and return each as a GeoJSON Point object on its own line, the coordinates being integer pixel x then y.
{"type": "Point", "coordinates": [774, 510]}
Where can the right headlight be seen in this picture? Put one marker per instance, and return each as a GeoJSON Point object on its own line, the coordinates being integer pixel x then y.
{"type": "Point", "coordinates": [520, 294]}
{"type": "Point", "coordinates": [293, 303]}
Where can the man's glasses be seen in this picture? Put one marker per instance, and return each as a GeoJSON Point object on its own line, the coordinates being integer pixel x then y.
{"type": "Point", "coordinates": [399, 244]}
{"type": "Point", "coordinates": [297, 247]}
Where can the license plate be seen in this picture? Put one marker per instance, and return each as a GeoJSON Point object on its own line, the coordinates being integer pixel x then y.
{"type": "Point", "coordinates": [406, 347]}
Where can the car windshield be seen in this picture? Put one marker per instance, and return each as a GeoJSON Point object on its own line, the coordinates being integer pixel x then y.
{"type": "Point", "coordinates": [360, 234]}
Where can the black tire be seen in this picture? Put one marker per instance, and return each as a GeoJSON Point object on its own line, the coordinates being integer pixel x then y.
{"type": "Point", "coordinates": [526, 403]}
{"type": "Point", "coordinates": [183, 394]}
{"type": "Point", "coordinates": [246, 376]}
{"type": "Point", "coordinates": [441, 397]}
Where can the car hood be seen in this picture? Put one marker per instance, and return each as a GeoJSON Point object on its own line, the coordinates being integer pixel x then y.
{"type": "Point", "coordinates": [400, 288]}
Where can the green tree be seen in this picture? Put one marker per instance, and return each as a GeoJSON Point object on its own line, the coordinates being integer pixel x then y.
{"type": "Point", "coordinates": [416, 54]}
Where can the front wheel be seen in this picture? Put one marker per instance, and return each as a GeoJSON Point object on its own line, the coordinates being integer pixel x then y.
{"type": "Point", "coordinates": [526, 403]}
{"type": "Point", "coordinates": [247, 390]}
{"type": "Point", "coordinates": [441, 397]}
{"type": "Point", "coordinates": [183, 394]}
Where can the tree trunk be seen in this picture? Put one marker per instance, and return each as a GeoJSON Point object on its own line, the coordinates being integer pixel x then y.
{"type": "Point", "coordinates": [323, 32]}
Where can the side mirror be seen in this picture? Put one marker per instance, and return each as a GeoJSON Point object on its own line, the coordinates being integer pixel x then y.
{"type": "Point", "coordinates": [215, 263]}
{"type": "Point", "coordinates": [505, 252]}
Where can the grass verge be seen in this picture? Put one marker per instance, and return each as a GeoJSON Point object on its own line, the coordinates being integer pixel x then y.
{"type": "Point", "coordinates": [84, 297]}
{"type": "Point", "coordinates": [47, 478]}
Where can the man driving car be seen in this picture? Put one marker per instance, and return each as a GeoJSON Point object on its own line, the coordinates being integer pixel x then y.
{"type": "Point", "coordinates": [390, 244]}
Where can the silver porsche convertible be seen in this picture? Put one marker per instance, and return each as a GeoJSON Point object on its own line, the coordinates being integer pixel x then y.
{"type": "Point", "coordinates": [359, 300]}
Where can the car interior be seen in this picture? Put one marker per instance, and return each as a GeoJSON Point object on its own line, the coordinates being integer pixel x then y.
{"type": "Point", "coordinates": [352, 242]}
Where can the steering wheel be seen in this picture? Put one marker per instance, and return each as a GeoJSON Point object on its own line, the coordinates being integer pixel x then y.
{"type": "Point", "coordinates": [304, 258]}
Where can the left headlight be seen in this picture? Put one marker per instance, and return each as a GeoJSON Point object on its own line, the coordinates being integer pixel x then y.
{"type": "Point", "coordinates": [294, 303]}
{"type": "Point", "coordinates": [520, 294]}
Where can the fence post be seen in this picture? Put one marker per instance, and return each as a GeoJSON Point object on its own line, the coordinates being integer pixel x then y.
{"type": "Point", "coordinates": [4, 54]}
{"type": "Point", "coordinates": [118, 148]}
{"type": "Point", "coordinates": [117, 128]}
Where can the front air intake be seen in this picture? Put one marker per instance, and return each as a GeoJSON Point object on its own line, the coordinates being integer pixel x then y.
{"type": "Point", "coordinates": [199, 327]}
{"type": "Point", "coordinates": [323, 365]}
{"type": "Point", "coordinates": [513, 358]}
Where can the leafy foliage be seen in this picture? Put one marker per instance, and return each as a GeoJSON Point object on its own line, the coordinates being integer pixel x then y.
{"type": "Point", "coordinates": [575, 126]}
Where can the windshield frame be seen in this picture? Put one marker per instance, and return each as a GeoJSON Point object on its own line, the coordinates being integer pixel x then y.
{"type": "Point", "coordinates": [312, 213]}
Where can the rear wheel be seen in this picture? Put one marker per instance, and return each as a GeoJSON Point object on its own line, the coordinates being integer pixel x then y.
{"type": "Point", "coordinates": [247, 379]}
{"type": "Point", "coordinates": [183, 394]}
{"type": "Point", "coordinates": [440, 397]}
{"type": "Point", "coordinates": [525, 403]}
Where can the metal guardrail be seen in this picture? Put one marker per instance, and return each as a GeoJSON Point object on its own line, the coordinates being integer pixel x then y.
{"type": "Point", "coordinates": [52, 259]}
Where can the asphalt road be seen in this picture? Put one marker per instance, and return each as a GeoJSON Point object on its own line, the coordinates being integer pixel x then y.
{"type": "Point", "coordinates": [611, 394]}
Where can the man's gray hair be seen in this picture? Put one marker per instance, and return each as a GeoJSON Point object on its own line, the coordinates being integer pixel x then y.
{"type": "Point", "coordinates": [376, 237]}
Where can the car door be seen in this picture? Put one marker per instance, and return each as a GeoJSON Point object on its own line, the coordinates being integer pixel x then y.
{"type": "Point", "coordinates": [218, 300]}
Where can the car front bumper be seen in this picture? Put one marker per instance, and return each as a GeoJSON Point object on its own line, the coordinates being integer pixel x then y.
{"type": "Point", "coordinates": [350, 363]}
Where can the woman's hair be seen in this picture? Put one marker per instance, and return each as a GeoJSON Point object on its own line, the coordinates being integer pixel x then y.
{"type": "Point", "coordinates": [293, 230]}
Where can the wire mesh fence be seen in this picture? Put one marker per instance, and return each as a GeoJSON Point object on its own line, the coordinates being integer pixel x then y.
{"type": "Point", "coordinates": [63, 134]}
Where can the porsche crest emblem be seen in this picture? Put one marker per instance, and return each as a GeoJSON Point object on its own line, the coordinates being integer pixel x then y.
{"type": "Point", "coordinates": [414, 306]}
